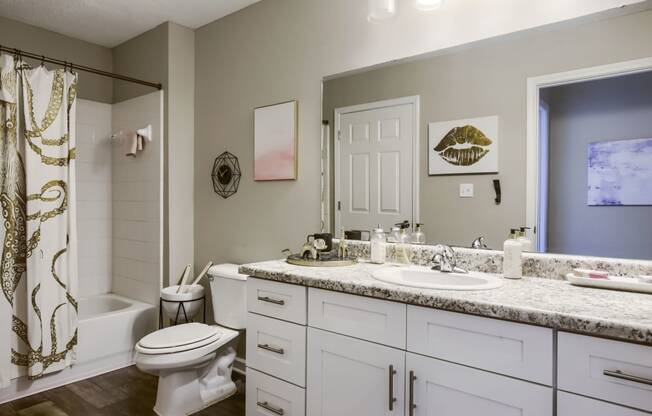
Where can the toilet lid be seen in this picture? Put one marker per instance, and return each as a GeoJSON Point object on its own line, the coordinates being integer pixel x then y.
{"type": "Point", "coordinates": [179, 335]}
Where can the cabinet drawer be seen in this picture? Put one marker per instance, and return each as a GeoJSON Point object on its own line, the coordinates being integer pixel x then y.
{"type": "Point", "coordinates": [517, 350]}
{"type": "Point", "coordinates": [267, 396]}
{"type": "Point", "coordinates": [572, 405]}
{"type": "Point", "coordinates": [440, 388]}
{"type": "Point", "coordinates": [278, 300]}
{"type": "Point", "coordinates": [370, 319]}
{"type": "Point", "coordinates": [277, 348]}
{"type": "Point", "coordinates": [609, 370]}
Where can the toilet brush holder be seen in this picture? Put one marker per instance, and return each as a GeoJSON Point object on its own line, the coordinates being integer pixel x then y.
{"type": "Point", "coordinates": [183, 306]}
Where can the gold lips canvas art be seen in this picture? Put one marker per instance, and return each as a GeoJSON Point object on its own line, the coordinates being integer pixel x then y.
{"type": "Point", "coordinates": [463, 146]}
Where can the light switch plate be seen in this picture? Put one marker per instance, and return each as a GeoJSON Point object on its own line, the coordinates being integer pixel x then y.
{"type": "Point", "coordinates": [466, 190]}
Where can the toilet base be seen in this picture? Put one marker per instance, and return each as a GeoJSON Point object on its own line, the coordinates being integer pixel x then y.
{"type": "Point", "coordinates": [183, 392]}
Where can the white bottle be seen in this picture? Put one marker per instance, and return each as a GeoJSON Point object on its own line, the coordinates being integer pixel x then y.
{"type": "Point", "coordinates": [512, 260]}
{"type": "Point", "coordinates": [377, 241]}
{"type": "Point", "coordinates": [526, 243]}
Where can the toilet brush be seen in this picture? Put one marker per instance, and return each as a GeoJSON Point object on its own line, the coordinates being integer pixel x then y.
{"type": "Point", "coordinates": [184, 278]}
{"type": "Point", "coordinates": [202, 274]}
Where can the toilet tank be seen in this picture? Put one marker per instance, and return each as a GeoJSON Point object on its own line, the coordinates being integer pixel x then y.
{"type": "Point", "coordinates": [229, 292]}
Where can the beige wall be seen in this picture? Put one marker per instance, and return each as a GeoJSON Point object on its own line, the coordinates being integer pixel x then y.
{"type": "Point", "coordinates": [487, 79]}
{"type": "Point", "coordinates": [279, 50]}
{"type": "Point", "coordinates": [181, 148]}
{"type": "Point", "coordinates": [14, 34]}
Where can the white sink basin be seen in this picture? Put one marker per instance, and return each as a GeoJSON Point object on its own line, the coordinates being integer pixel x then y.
{"type": "Point", "coordinates": [424, 277]}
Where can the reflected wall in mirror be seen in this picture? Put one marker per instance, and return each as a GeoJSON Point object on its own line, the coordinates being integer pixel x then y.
{"type": "Point", "coordinates": [587, 91]}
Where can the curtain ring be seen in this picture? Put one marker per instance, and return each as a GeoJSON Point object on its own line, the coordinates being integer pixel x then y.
{"type": "Point", "coordinates": [42, 60]}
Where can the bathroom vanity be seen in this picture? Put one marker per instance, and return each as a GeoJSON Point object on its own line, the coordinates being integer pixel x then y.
{"type": "Point", "coordinates": [336, 342]}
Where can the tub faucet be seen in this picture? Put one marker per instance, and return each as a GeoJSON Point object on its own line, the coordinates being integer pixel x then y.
{"type": "Point", "coordinates": [444, 260]}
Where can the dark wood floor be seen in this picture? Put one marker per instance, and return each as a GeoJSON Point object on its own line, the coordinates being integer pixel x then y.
{"type": "Point", "coordinates": [126, 392]}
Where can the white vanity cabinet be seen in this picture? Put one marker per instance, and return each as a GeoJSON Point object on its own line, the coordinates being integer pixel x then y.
{"type": "Point", "coordinates": [313, 352]}
{"type": "Point", "coordinates": [365, 359]}
{"type": "Point", "coordinates": [348, 376]}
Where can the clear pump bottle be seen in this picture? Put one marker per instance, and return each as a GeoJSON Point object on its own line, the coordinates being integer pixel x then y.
{"type": "Point", "coordinates": [377, 242]}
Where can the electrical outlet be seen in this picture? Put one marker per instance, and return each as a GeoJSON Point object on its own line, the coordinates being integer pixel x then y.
{"type": "Point", "coordinates": [466, 190]}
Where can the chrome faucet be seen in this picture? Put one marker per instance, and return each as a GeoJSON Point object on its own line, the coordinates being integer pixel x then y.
{"type": "Point", "coordinates": [444, 260]}
{"type": "Point", "coordinates": [479, 243]}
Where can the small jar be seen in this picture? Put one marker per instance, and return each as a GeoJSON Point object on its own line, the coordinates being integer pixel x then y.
{"type": "Point", "coordinates": [394, 235]}
{"type": "Point", "coordinates": [377, 241]}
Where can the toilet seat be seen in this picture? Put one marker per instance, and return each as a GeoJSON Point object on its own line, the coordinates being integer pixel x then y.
{"type": "Point", "coordinates": [178, 338]}
{"type": "Point", "coordinates": [190, 354]}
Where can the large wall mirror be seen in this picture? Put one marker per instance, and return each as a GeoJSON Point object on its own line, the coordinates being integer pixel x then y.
{"type": "Point", "coordinates": [546, 129]}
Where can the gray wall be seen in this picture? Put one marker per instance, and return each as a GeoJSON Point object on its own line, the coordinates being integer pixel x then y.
{"type": "Point", "coordinates": [488, 78]}
{"type": "Point", "coordinates": [240, 65]}
{"type": "Point", "coordinates": [612, 109]}
{"type": "Point", "coordinates": [144, 57]}
{"type": "Point", "coordinates": [29, 38]}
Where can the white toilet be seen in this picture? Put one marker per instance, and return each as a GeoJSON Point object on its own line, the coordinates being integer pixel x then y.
{"type": "Point", "coordinates": [193, 361]}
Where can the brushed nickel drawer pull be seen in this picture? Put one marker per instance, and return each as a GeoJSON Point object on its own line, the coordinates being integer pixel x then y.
{"type": "Point", "coordinates": [412, 406]}
{"type": "Point", "coordinates": [392, 399]}
{"type": "Point", "coordinates": [268, 347]}
{"type": "Point", "coordinates": [620, 375]}
{"type": "Point", "coordinates": [267, 406]}
{"type": "Point", "coordinates": [271, 300]}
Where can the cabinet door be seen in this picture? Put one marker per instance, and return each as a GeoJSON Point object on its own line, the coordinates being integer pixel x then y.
{"type": "Point", "coordinates": [445, 389]}
{"type": "Point", "coordinates": [347, 376]}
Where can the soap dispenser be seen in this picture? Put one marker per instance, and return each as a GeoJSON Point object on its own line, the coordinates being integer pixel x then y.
{"type": "Point", "coordinates": [418, 237]}
{"type": "Point", "coordinates": [402, 245]}
{"type": "Point", "coordinates": [512, 256]}
{"type": "Point", "coordinates": [526, 243]}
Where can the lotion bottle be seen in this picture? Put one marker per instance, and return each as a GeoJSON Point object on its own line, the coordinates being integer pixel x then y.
{"type": "Point", "coordinates": [512, 260]}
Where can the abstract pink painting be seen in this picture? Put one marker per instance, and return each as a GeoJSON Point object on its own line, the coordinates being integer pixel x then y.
{"type": "Point", "coordinates": [275, 142]}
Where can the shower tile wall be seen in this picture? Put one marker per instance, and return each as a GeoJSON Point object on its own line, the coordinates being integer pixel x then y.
{"type": "Point", "coordinates": [94, 197]}
{"type": "Point", "coordinates": [137, 210]}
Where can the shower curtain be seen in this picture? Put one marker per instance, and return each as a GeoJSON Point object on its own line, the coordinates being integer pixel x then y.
{"type": "Point", "coordinates": [38, 267]}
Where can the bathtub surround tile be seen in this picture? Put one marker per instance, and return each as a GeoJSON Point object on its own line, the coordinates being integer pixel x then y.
{"type": "Point", "coordinates": [137, 200]}
{"type": "Point", "coordinates": [136, 211]}
{"type": "Point", "coordinates": [147, 292]}
{"type": "Point", "coordinates": [135, 230]}
{"type": "Point", "coordinates": [548, 302]}
{"type": "Point", "coordinates": [93, 182]}
{"type": "Point", "coordinates": [134, 269]}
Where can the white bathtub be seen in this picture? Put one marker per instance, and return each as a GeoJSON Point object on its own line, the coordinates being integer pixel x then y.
{"type": "Point", "coordinates": [109, 327]}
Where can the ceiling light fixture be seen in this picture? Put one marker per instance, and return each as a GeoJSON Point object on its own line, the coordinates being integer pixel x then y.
{"type": "Point", "coordinates": [380, 10]}
{"type": "Point", "coordinates": [428, 5]}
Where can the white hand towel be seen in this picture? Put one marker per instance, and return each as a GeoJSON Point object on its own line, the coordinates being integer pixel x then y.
{"type": "Point", "coordinates": [131, 143]}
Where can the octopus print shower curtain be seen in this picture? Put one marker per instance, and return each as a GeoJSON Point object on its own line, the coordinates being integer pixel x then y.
{"type": "Point", "coordinates": [38, 267]}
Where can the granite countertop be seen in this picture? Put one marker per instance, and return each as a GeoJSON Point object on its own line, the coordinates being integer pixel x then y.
{"type": "Point", "coordinates": [539, 301]}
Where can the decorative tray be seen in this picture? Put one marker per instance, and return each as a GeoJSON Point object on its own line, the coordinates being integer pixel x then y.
{"type": "Point", "coordinates": [326, 261]}
{"type": "Point", "coordinates": [629, 284]}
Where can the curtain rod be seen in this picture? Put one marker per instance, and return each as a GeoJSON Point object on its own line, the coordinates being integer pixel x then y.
{"type": "Point", "coordinates": [71, 65]}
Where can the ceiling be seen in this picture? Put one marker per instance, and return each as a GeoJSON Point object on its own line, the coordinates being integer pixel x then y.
{"type": "Point", "coordinates": [111, 22]}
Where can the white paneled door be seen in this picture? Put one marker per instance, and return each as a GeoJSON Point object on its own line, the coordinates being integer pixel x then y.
{"type": "Point", "coordinates": [375, 168]}
{"type": "Point", "coordinates": [348, 376]}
